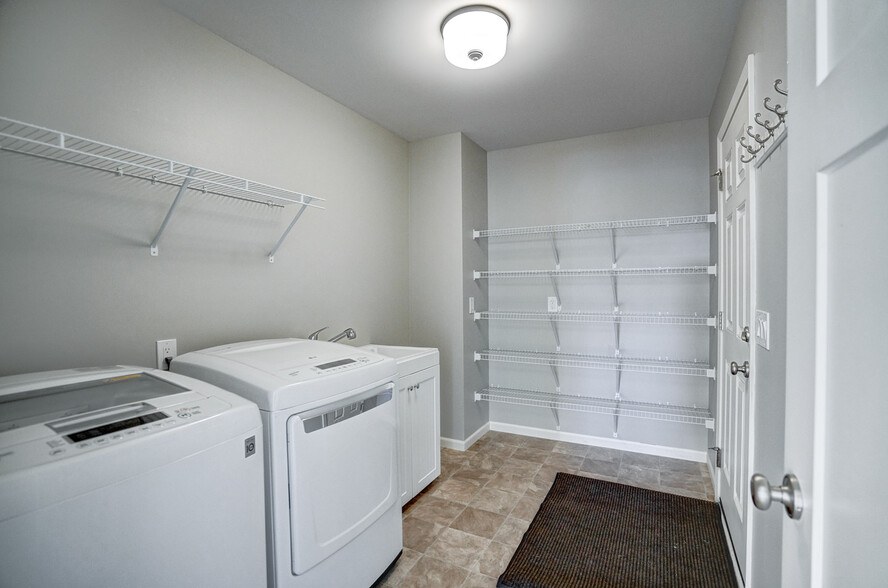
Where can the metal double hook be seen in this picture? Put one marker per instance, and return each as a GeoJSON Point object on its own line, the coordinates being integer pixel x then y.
{"type": "Point", "coordinates": [766, 123]}
{"type": "Point", "coordinates": [749, 148]}
{"type": "Point", "coordinates": [781, 114]}
{"type": "Point", "coordinates": [777, 83]}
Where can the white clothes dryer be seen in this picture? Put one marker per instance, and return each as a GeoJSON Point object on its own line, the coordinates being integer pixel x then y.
{"type": "Point", "coordinates": [333, 515]}
{"type": "Point", "coordinates": [132, 477]}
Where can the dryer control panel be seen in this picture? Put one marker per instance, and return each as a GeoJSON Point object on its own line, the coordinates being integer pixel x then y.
{"type": "Point", "coordinates": [319, 365]}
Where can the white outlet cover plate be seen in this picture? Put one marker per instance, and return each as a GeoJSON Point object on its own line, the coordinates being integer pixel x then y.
{"type": "Point", "coordinates": [552, 304]}
{"type": "Point", "coordinates": [763, 329]}
{"type": "Point", "coordinates": [165, 348]}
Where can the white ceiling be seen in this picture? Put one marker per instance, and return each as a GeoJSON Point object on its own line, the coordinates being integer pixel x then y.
{"type": "Point", "coordinates": [573, 67]}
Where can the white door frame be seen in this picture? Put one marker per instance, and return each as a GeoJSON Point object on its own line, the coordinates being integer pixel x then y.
{"type": "Point", "coordinates": [745, 82]}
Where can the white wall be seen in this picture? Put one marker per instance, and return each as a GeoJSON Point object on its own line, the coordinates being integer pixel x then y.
{"type": "Point", "coordinates": [77, 284]}
{"type": "Point", "coordinates": [761, 29]}
{"type": "Point", "coordinates": [648, 172]}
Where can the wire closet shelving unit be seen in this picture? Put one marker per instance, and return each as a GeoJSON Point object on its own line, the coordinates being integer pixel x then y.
{"type": "Point", "coordinates": [57, 146]}
{"type": "Point", "coordinates": [591, 403]}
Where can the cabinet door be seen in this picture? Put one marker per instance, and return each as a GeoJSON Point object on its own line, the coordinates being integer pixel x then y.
{"type": "Point", "coordinates": [425, 432]}
{"type": "Point", "coordinates": [405, 451]}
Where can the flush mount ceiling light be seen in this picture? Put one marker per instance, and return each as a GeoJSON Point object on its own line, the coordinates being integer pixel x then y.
{"type": "Point", "coordinates": [475, 36]}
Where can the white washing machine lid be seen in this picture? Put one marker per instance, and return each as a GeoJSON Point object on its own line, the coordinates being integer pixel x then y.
{"type": "Point", "coordinates": [35, 398]}
{"type": "Point", "coordinates": [280, 374]}
{"type": "Point", "coordinates": [51, 418]}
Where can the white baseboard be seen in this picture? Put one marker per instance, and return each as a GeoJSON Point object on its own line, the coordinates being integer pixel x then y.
{"type": "Point", "coordinates": [659, 450]}
{"type": "Point", "coordinates": [463, 445]}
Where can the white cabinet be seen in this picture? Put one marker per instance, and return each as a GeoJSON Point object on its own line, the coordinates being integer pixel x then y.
{"type": "Point", "coordinates": [419, 402]}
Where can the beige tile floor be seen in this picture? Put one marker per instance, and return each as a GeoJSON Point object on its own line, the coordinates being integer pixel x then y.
{"type": "Point", "coordinates": [461, 531]}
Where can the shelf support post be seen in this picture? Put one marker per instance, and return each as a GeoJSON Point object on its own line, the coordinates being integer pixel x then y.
{"type": "Point", "coordinates": [153, 248]}
{"type": "Point", "coordinates": [288, 229]}
{"type": "Point", "coordinates": [613, 244]}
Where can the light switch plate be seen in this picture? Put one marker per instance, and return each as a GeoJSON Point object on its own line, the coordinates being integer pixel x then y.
{"type": "Point", "coordinates": [763, 329]}
{"type": "Point", "coordinates": [552, 304]}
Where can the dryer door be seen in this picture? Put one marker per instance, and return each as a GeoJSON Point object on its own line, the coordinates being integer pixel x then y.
{"type": "Point", "coordinates": [342, 461]}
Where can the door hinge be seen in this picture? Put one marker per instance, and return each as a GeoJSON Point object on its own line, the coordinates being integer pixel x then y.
{"type": "Point", "coordinates": [718, 456]}
{"type": "Point", "coordinates": [720, 320]}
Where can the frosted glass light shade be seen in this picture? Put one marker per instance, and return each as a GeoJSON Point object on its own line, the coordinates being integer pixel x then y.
{"type": "Point", "coordinates": [475, 37]}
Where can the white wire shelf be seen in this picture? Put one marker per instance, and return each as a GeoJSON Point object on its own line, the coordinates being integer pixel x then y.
{"type": "Point", "coordinates": [598, 317]}
{"type": "Point", "coordinates": [40, 142]}
{"type": "Point", "coordinates": [596, 226]}
{"type": "Point", "coordinates": [645, 410]}
{"type": "Point", "coordinates": [609, 272]}
{"type": "Point", "coordinates": [601, 362]}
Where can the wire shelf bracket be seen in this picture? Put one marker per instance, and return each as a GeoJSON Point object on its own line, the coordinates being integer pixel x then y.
{"type": "Point", "coordinates": [153, 248]}
{"type": "Point", "coordinates": [283, 238]}
{"type": "Point", "coordinates": [43, 143]}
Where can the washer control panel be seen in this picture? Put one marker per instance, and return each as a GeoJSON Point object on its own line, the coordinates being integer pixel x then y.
{"type": "Point", "coordinates": [71, 436]}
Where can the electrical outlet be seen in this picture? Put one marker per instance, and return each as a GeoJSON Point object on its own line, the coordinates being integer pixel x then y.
{"type": "Point", "coordinates": [166, 348]}
{"type": "Point", "coordinates": [552, 304]}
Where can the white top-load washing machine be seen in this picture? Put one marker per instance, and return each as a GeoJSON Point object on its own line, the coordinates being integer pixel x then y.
{"type": "Point", "coordinates": [131, 477]}
{"type": "Point", "coordinates": [330, 417]}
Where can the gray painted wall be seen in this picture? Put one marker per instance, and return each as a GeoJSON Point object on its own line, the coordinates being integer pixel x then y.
{"type": "Point", "coordinates": [448, 198]}
{"type": "Point", "coordinates": [640, 173]}
{"type": "Point", "coordinates": [475, 334]}
{"type": "Point", "coordinates": [435, 228]}
{"type": "Point", "coordinates": [762, 30]}
{"type": "Point", "coordinates": [77, 284]}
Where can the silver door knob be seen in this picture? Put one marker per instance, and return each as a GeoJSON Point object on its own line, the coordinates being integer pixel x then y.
{"type": "Point", "coordinates": [738, 369]}
{"type": "Point", "coordinates": [744, 334]}
{"type": "Point", "coordinates": [789, 494]}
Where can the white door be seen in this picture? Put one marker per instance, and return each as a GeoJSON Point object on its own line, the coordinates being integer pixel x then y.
{"type": "Point", "coordinates": [837, 322]}
{"type": "Point", "coordinates": [420, 442]}
{"type": "Point", "coordinates": [736, 273]}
